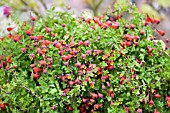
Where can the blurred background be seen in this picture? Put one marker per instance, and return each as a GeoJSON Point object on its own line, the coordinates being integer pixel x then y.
{"type": "Point", "coordinates": [20, 9]}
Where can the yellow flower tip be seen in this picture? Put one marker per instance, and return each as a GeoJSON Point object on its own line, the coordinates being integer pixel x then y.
{"type": "Point", "coordinates": [44, 50]}
{"type": "Point", "coordinates": [103, 57]}
{"type": "Point", "coordinates": [64, 42]}
{"type": "Point", "coordinates": [69, 77]}
{"type": "Point", "coordinates": [150, 105]}
{"type": "Point", "coordinates": [90, 103]}
{"type": "Point", "coordinates": [120, 102]}
{"type": "Point", "coordinates": [103, 80]}
{"type": "Point", "coordinates": [168, 102]}
{"type": "Point", "coordinates": [112, 63]}
{"type": "Point", "coordinates": [92, 86]}
{"type": "Point", "coordinates": [39, 65]}
{"type": "Point", "coordinates": [31, 58]}
{"type": "Point", "coordinates": [121, 75]}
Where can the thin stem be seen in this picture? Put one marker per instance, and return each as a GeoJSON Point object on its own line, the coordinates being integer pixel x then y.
{"type": "Point", "coordinates": [167, 54]}
{"type": "Point", "coordinates": [95, 10]}
{"type": "Point", "coordinates": [94, 6]}
{"type": "Point", "coordinates": [26, 4]}
{"type": "Point", "coordinates": [44, 4]}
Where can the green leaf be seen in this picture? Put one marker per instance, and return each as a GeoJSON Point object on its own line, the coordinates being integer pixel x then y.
{"type": "Point", "coordinates": [103, 64]}
{"type": "Point", "coordinates": [53, 90]}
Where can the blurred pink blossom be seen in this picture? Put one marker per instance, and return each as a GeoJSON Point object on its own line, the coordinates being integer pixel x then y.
{"type": "Point", "coordinates": [7, 11]}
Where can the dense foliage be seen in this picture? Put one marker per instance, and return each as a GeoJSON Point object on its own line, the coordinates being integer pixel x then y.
{"type": "Point", "coordinates": [107, 64]}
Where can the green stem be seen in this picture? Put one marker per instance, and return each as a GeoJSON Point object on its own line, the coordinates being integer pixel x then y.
{"type": "Point", "coordinates": [26, 4]}
{"type": "Point", "coordinates": [96, 7]}
{"type": "Point", "coordinates": [44, 4]}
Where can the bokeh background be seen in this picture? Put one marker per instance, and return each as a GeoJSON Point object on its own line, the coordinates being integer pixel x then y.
{"type": "Point", "coordinates": [20, 9]}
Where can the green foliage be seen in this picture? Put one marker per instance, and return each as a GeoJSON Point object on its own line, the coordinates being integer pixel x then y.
{"type": "Point", "coordinates": [82, 64]}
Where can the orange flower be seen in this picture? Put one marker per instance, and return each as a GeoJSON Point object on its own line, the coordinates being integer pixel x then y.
{"type": "Point", "coordinates": [36, 70]}
{"type": "Point", "coordinates": [8, 59]}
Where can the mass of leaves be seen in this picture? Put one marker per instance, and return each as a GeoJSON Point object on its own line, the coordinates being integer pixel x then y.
{"type": "Point", "coordinates": [106, 64]}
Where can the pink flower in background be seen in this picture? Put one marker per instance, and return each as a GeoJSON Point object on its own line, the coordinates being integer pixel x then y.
{"type": "Point", "coordinates": [7, 11]}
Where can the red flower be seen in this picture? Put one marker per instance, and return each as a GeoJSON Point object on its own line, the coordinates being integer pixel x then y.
{"type": "Point", "coordinates": [39, 51]}
{"type": "Point", "coordinates": [66, 91]}
{"type": "Point", "coordinates": [36, 76]}
{"type": "Point", "coordinates": [126, 108]}
{"type": "Point", "coordinates": [70, 108]}
{"type": "Point", "coordinates": [1, 38]}
{"type": "Point", "coordinates": [16, 38]}
{"type": "Point", "coordinates": [161, 32]}
{"type": "Point", "coordinates": [0, 65]}
{"type": "Point", "coordinates": [157, 95]}
{"type": "Point", "coordinates": [48, 30]}
{"type": "Point", "coordinates": [93, 95]}
{"type": "Point", "coordinates": [78, 64]}
{"type": "Point", "coordinates": [97, 106]}
{"type": "Point", "coordinates": [9, 28]}
{"type": "Point", "coordinates": [32, 56]}
{"type": "Point", "coordinates": [104, 77]}
{"type": "Point", "coordinates": [97, 52]}
{"type": "Point", "coordinates": [89, 52]}
{"type": "Point", "coordinates": [23, 50]}
{"type": "Point", "coordinates": [45, 71]}
{"type": "Point", "coordinates": [1, 57]}
{"type": "Point", "coordinates": [80, 42]}
{"type": "Point", "coordinates": [139, 110]}
{"type": "Point", "coordinates": [36, 70]}
{"type": "Point", "coordinates": [84, 100]}
{"type": "Point", "coordinates": [32, 17]}
{"type": "Point", "coordinates": [2, 106]}
{"type": "Point", "coordinates": [115, 25]}
{"type": "Point", "coordinates": [155, 111]}
{"type": "Point", "coordinates": [100, 95]}
{"type": "Point", "coordinates": [112, 95]}
{"type": "Point", "coordinates": [168, 100]}
{"type": "Point", "coordinates": [32, 66]}
{"type": "Point", "coordinates": [71, 83]}
{"type": "Point", "coordinates": [29, 32]}
{"type": "Point", "coordinates": [111, 103]}
{"type": "Point", "coordinates": [151, 103]}
{"type": "Point", "coordinates": [86, 43]}
{"type": "Point", "coordinates": [8, 59]}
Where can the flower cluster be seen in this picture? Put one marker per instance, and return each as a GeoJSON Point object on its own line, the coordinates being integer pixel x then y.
{"type": "Point", "coordinates": [68, 64]}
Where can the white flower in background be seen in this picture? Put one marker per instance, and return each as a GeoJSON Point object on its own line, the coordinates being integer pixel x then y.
{"type": "Point", "coordinates": [87, 13]}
